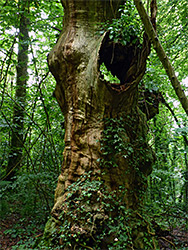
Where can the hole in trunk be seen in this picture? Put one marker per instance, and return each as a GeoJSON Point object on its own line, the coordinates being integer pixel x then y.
{"type": "Point", "coordinates": [122, 64]}
{"type": "Point", "coordinates": [118, 58]}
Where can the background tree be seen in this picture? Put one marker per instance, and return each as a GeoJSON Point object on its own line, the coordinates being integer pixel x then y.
{"type": "Point", "coordinates": [17, 138]}
{"type": "Point", "coordinates": [41, 155]}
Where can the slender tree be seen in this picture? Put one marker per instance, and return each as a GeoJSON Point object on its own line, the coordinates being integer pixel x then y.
{"type": "Point", "coordinates": [17, 138]}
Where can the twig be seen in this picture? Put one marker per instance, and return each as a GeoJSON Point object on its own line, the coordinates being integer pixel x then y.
{"type": "Point", "coordinates": [38, 235]}
{"type": "Point", "coordinates": [86, 246]}
{"type": "Point", "coordinates": [169, 242]}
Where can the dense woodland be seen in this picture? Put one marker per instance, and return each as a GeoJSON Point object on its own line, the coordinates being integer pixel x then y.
{"type": "Point", "coordinates": [32, 129]}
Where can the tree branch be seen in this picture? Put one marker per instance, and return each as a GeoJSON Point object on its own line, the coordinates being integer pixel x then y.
{"type": "Point", "coordinates": [161, 54]}
{"type": "Point", "coordinates": [175, 118]}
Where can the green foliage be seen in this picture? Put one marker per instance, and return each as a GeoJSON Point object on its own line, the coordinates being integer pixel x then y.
{"type": "Point", "coordinates": [167, 183]}
{"type": "Point", "coordinates": [113, 144]}
{"type": "Point", "coordinates": [31, 194]}
{"type": "Point", "coordinates": [165, 198]}
{"type": "Point", "coordinates": [108, 75]}
{"type": "Point", "coordinates": [42, 121]}
{"type": "Point", "coordinates": [124, 138]}
{"type": "Point", "coordinates": [29, 199]}
{"type": "Point", "coordinates": [91, 215]}
{"type": "Point", "coordinates": [170, 158]}
{"type": "Point", "coordinates": [172, 30]}
{"type": "Point", "coordinates": [128, 28]}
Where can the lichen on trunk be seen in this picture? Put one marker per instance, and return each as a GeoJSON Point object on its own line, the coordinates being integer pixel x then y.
{"type": "Point", "coordinates": [106, 156]}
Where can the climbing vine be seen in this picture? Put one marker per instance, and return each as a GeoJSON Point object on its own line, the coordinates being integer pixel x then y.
{"type": "Point", "coordinates": [87, 219]}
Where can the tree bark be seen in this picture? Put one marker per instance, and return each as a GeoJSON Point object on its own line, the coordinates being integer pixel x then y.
{"type": "Point", "coordinates": [15, 155]}
{"type": "Point", "coordinates": [106, 150]}
{"type": "Point", "coordinates": [162, 55]}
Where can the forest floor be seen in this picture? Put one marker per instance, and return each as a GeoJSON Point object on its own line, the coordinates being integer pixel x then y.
{"type": "Point", "coordinates": [14, 229]}
{"type": "Point", "coordinates": [176, 239]}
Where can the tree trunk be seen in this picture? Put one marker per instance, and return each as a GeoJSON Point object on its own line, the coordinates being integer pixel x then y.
{"type": "Point", "coordinates": [15, 155]}
{"type": "Point", "coordinates": [106, 155]}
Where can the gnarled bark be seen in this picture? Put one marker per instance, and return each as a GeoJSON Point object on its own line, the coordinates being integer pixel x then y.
{"type": "Point", "coordinates": [89, 104]}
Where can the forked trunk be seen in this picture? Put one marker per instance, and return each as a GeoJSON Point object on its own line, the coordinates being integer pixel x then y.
{"type": "Point", "coordinates": [106, 156]}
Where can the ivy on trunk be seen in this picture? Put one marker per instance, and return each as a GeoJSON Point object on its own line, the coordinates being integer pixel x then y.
{"type": "Point", "coordinates": [106, 157]}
